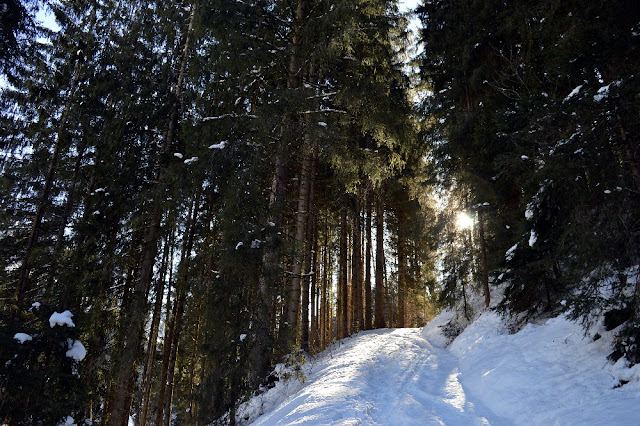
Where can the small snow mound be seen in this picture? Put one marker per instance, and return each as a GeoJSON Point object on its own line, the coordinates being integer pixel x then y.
{"type": "Point", "coordinates": [322, 124]}
{"type": "Point", "coordinates": [76, 350]}
{"type": "Point", "coordinates": [61, 319]}
{"type": "Point", "coordinates": [623, 372]}
{"type": "Point", "coordinates": [220, 145]}
{"type": "Point", "coordinates": [22, 337]}
{"type": "Point", "coordinates": [433, 330]}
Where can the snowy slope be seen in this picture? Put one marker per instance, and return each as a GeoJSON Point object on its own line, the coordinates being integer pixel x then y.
{"type": "Point", "coordinates": [545, 374]}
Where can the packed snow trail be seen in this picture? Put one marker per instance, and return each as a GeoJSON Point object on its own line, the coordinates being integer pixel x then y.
{"type": "Point", "coordinates": [390, 376]}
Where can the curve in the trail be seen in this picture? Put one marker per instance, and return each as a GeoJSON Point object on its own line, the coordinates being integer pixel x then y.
{"type": "Point", "coordinates": [383, 377]}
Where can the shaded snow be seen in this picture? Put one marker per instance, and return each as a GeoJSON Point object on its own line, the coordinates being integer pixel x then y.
{"type": "Point", "coordinates": [220, 145]}
{"type": "Point", "coordinates": [545, 374]}
{"type": "Point", "coordinates": [22, 337]}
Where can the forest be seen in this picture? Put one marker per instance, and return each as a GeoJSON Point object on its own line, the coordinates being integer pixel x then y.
{"type": "Point", "coordinates": [192, 192]}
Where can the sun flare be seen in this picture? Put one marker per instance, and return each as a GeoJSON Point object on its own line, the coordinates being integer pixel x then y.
{"type": "Point", "coordinates": [464, 221]}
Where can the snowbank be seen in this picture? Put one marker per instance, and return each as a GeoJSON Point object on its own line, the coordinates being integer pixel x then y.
{"type": "Point", "coordinates": [546, 374]}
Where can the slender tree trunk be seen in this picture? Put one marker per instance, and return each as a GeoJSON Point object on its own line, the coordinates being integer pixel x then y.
{"type": "Point", "coordinates": [182, 289]}
{"type": "Point", "coordinates": [343, 284]}
{"type": "Point", "coordinates": [380, 296]}
{"type": "Point", "coordinates": [356, 265]}
{"type": "Point", "coordinates": [368, 305]}
{"type": "Point", "coordinates": [325, 283]}
{"type": "Point", "coordinates": [173, 358]}
{"type": "Point", "coordinates": [147, 375]}
{"type": "Point", "coordinates": [402, 269]}
{"type": "Point", "coordinates": [484, 271]}
{"type": "Point", "coordinates": [309, 231]}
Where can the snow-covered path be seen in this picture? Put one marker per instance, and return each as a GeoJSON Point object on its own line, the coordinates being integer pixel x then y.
{"type": "Point", "coordinates": [391, 376]}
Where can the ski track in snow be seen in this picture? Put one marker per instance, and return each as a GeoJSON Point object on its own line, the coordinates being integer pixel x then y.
{"type": "Point", "coordinates": [381, 377]}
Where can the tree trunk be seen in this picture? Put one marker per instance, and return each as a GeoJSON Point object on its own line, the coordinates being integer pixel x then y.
{"type": "Point", "coordinates": [356, 265]}
{"type": "Point", "coordinates": [343, 329]}
{"type": "Point", "coordinates": [325, 284]}
{"type": "Point", "coordinates": [402, 269]}
{"type": "Point", "coordinates": [309, 231]}
{"type": "Point", "coordinates": [147, 375]}
{"type": "Point", "coordinates": [380, 295]}
{"type": "Point", "coordinates": [368, 325]}
{"type": "Point", "coordinates": [484, 271]}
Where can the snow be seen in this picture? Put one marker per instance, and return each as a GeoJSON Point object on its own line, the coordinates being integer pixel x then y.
{"type": "Point", "coordinates": [573, 93]}
{"type": "Point", "coordinates": [22, 337]}
{"type": "Point", "coordinates": [551, 366]}
{"type": "Point", "coordinates": [511, 252]}
{"type": "Point", "coordinates": [191, 160]}
{"type": "Point", "coordinates": [549, 373]}
{"type": "Point", "coordinates": [240, 244]}
{"type": "Point", "coordinates": [388, 376]}
{"type": "Point", "coordinates": [76, 350]}
{"type": "Point", "coordinates": [178, 155]}
{"type": "Point", "coordinates": [61, 319]}
{"type": "Point", "coordinates": [35, 305]}
{"type": "Point", "coordinates": [220, 145]}
{"type": "Point", "coordinates": [603, 92]}
{"type": "Point", "coordinates": [242, 337]}
{"type": "Point", "coordinates": [533, 237]}
{"type": "Point", "coordinates": [322, 124]}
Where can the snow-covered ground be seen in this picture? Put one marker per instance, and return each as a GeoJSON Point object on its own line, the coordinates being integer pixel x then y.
{"type": "Point", "coordinates": [546, 374]}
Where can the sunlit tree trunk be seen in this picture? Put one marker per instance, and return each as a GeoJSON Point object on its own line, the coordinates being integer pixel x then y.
{"type": "Point", "coordinates": [368, 305]}
{"type": "Point", "coordinates": [380, 296]}
{"type": "Point", "coordinates": [356, 266]}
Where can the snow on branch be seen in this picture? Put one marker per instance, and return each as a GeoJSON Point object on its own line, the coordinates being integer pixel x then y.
{"type": "Point", "coordinates": [231, 115]}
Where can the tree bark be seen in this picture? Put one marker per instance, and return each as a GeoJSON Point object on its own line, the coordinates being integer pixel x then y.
{"type": "Point", "coordinates": [356, 265]}
{"type": "Point", "coordinates": [380, 295]}
{"type": "Point", "coordinates": [147, 375]}
{"type": "Point", "coordinates": [343, 330]}
{"type": "Point", "coordinates": [368, 325]}
{"type": "Point", "coordinates": [308, 244]}
{"type": "Point", "coordinates": [402, 269]}
{"type": "Point", "coordinates": [484, 271]}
